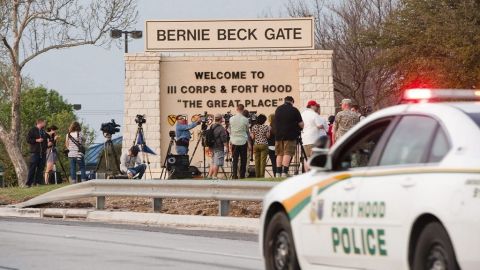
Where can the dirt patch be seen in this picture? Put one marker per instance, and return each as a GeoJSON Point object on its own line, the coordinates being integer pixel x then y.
{"type": "Point", "coordinates": [169, 206]}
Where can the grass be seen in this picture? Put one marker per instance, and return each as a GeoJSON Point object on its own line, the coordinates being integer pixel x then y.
{"type": "Point", "coordinates": [17, 194]}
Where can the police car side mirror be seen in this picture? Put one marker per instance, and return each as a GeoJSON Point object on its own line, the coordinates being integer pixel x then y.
{"type": "Point", "coordinates": [320, 159]}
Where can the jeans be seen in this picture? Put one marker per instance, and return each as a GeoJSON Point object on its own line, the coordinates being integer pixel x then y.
{"type": "Point", "coordinates": [73, 169]}
{"type": "Point", "coordinates": [35, 169]}
{"type": "Point", "coordinates": [181, 150]}
{"type": "Point", "coordinates": [140, 170]}
{"type": "Point", "coordinates": [261, 152]}
{"type": "Point", "coordinates": [239, 151]}
{"type": "Point", "coordinates": [273, 160]}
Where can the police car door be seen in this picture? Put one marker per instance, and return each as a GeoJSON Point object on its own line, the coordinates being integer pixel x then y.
{"type": "Point", "coordinates": [330, 236]}
{"type": "Point", "coordinates": [386, 192]}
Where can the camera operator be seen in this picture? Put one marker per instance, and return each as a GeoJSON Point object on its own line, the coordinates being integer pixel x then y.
{"type": "Point", "coordinates": [182, 131]}
{"type": "Point", "coordinates": [288, 124]}
{"type": "Point", "coordinates": [219, 148]}
{"type": "Point", "coordinates": [131, 163]}
{"type": "Point", "coordinates": [238, 139]}
{"type": "Point", "coordinates": [51, 150]}
{"type": "Point", "coordinates": [37, 139]}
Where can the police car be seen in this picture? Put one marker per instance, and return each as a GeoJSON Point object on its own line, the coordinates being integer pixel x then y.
{"type": "Point", "coordinates": [400, 190]}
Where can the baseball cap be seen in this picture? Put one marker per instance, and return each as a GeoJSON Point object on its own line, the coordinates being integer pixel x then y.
{"type": "Point", "coordinates": [312, 103]}
{"type": "Point", "coordinates": [346, 101]}
{"type": "Point", "coordinates": [181, 117]}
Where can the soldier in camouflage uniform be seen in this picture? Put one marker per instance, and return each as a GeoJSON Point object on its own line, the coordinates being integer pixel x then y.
{"type": "Point", "coordinates": [344, 120]}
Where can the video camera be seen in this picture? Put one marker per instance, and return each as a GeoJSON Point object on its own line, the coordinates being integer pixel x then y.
{"type": "Point", "coordinates": [227, 117]}
{"type": "Point", "coordinates": [252, 117]}
{"type": "Point", "coordinates": [204, 118]}
{"type": "Point", "coordinates": [140, 119]}
{"type": "Point", "coordinates": [110, 128]}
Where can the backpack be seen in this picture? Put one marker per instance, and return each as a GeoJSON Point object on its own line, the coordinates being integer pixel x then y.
{"type": "Point", "coordinates": [210, 137]}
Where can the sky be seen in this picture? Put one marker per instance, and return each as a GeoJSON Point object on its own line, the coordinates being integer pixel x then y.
{"type": "Point", "coordinates": [94, 76]}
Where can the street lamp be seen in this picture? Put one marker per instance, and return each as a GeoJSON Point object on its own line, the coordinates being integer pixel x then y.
{"type": "Point", "coordinates": [135, 34]}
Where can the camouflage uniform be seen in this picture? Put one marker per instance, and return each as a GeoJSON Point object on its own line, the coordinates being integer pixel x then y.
{"type": "Point", "coordinates": [344, 121]}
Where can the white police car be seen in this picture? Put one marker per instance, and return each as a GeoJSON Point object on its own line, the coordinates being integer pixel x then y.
{"type": "Point", "coordinates": [401, 190]}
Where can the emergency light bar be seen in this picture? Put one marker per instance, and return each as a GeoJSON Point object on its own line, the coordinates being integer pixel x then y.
{"type": "Point", "coordinates": [420, 95]}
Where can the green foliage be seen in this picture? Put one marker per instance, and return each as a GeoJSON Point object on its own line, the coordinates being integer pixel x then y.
{"type": "Point", "coordinates": [434, 43]}
{"type": "Point", "coordinates": [40, 102]}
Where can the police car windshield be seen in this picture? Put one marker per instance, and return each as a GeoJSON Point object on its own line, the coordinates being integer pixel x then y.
{"type": "Point", "coordinates": [475, 117]}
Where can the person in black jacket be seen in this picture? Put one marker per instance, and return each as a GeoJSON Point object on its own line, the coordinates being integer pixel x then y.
{"type": "Point", "coordinates": [288, 125]}
{"type": "Point", "coordinates": [37, 139]}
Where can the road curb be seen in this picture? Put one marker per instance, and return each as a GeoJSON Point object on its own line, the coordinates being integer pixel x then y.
{"type": "Point", "coordinates": [236, 224]}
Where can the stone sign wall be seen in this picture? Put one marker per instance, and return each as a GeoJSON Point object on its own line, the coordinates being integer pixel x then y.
{"type": "Point", "coordinates": [160, 85]}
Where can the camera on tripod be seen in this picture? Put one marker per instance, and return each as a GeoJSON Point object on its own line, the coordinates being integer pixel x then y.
{"type": "Point", "coordinates": [172, 134]}
{"type": "Point", "coordinates": [140, 119]}
{"type": "Point", "coordinates": [252, 117]}
{"type": "Point", "coordinates": [110, 128]}
{"type": "Point", "coordinates": [227, 117]}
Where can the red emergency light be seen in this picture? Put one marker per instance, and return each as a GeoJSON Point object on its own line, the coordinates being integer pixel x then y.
{"type": "Point", "coordinates": [420, 95]}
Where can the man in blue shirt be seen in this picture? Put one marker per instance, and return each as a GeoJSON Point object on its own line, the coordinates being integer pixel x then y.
{"type": "Point", "coordinates": [183, 134]}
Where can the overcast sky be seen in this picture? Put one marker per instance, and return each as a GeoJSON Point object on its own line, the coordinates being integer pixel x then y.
{"type": "Point", "coordinates": [94, 76]}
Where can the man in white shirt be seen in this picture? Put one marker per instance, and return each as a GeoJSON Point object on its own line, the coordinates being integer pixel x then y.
{"type": "Point", "coordinates": [131, 163]}
{"type": "Point", "coordinates": [314, 126]}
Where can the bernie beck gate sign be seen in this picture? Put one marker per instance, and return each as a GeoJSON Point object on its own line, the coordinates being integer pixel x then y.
{"type": "Point", "coordinates": [193, 88]}
{"type": "Point", "coordinates": [263, 34]}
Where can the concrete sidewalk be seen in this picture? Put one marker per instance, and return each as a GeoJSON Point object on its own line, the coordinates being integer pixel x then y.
{"type": "Point", "coordinates": [236, 224]}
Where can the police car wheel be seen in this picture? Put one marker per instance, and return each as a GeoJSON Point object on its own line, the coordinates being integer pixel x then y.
{"type": "Point", "coordinates": [433, 250]}
{"type": "Point", "coordinates": [279, 248]}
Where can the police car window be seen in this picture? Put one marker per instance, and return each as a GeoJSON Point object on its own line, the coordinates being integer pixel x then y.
{"type": "Point", "coordinates": [409, 141]}
{"type": "Point", "coordinates": [358, 153]}
{"type": "Point", "coordinates": [440, 147]}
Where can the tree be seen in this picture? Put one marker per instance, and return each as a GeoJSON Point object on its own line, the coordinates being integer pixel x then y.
{"type": "Point", "coordinates": [29, 28]}
{"type": "Point", "coordinates": [343, 27]}
{"type": "Point", "coordinates": [39, 102]}
{"type": "Point", "coordinates": [433, 43]}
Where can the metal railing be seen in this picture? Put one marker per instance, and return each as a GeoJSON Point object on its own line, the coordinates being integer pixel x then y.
{"type": "Point", "coordinates": [221, 190]}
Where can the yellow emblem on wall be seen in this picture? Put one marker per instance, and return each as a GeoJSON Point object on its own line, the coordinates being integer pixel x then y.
{"type": "Point", "coordinates": [172, 119]}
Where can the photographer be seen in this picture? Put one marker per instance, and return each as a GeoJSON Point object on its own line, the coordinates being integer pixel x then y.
{"type": "Point", "coordinates": [131, 163]}
{"type": "Point", "coordinates": [219, 147]}
{"type": "Point", "coordinates": [37, 139]}
{"type": "Point", "coordinates": [51, 150]}
{"type": "Point", "coordinates": [288, 124]}
{"type": "Point", "coordinates": [74, 142]}
{"type": "Point", "coordinates": [238, 139]}
{"type": "Point", "coordinates": [183, 134]}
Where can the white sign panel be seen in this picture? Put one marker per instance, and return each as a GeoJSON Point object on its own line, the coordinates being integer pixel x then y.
{"type": "Point", "coordinates": [262, 34]}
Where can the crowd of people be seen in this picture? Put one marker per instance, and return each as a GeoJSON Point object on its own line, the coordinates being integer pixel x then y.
{"type": "Point", "coordinates": [278, 140]}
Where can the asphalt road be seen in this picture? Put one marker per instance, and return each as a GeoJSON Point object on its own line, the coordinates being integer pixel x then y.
{"type": "Point", "coordinates": [53, 244]}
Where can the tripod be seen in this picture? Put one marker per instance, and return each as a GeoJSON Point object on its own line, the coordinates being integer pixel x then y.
{"type": "Point", "coordinates": [143, 146]}
{"type": "Point", "coordinates": [108, 149]}
{"type": "Point", "coordinates": [201, 139]}
{"type": "Point", "coordinates": [169, 151]}
{"type": "Point", "coordinates": [54, 150]}
{"type": "Point", "coordinates": [300, 156]}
